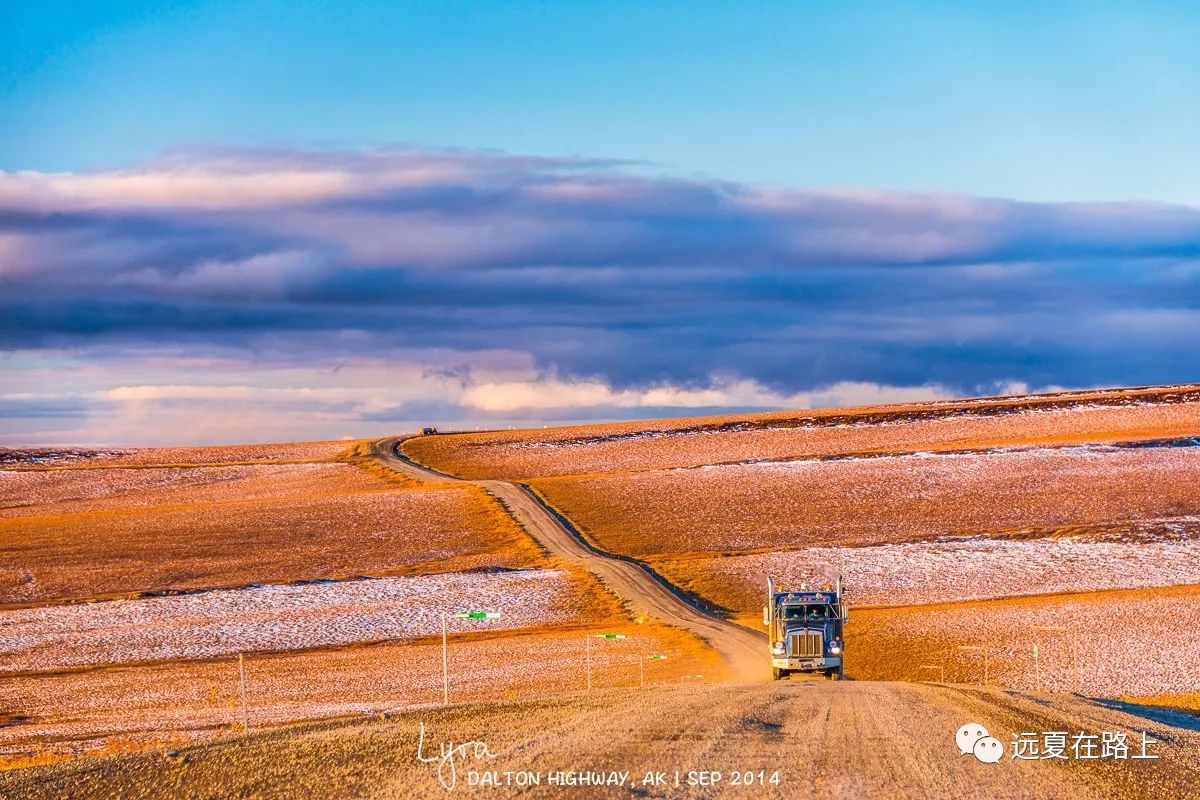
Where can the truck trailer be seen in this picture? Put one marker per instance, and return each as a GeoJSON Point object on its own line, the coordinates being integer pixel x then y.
{"type": "Point", "coordinates": [804, 630]}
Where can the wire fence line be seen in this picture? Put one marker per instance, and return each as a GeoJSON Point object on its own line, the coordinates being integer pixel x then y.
{"type": "Point", "coordinates": [117, 707]}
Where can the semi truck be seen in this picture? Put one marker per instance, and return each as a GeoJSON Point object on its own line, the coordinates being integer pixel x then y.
{"type": "Point", "coordinates": [804, 629]}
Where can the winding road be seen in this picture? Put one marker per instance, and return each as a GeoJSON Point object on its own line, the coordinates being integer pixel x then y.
{"type": "Point", "coordinates": [634, 582]}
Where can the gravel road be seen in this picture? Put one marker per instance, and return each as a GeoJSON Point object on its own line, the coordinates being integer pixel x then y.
{"type": "Point", "coordinates": [744, 650]}
{"type": "Point", "coordinates": [825, 740]}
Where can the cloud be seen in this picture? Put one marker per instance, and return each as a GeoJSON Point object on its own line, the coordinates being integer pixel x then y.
{"type": "Point", "coordinates": [363, 399]}
{"type": "Point", "coordinates": [566, 397]}
{"type": "Point", "coordinates": [259, 277]}
{"type": "Point", "coordinates": [557, 286]}
{"type": "Point", "coordinates": [430, 210]}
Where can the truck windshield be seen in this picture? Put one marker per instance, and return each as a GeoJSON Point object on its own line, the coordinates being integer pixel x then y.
{"type": "Point", "coordinates": [806, 612]}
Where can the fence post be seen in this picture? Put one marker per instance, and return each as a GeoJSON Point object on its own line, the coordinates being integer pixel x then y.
{"type": "Point", "coordinates": [242, 686]}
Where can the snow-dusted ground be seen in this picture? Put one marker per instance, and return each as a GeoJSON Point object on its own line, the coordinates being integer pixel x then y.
{"type": "Point", "coordinates": [967, 411]}
{"type": "Point", "coordinates": [141, 487]}
{"type": "Point", "coordinates": [931, 572]}
{"type": "Point", "coordinates": [270, 618]}
{"type": "Point", "coordinates": [584, 450]}
{"type": "Point", "coordinates": [1146, 644]}
{"type": "Point", "coordinates": [41, 456]}
{"type": "Point", "coordinates": [845, 503]}
{"type": "Point", "coordinates": [160, 702]}
{"type": "Point", "coordinates": [1086, 451]}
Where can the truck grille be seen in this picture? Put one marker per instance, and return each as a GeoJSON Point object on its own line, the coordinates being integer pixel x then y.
{"type": "Point", "coordinates": [806, 644]}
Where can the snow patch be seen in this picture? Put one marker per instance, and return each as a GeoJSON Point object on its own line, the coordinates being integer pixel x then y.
{"type": "Point", "coordinates": [274, 618]}
{"type": "Point", "coordinates": [978, 569]}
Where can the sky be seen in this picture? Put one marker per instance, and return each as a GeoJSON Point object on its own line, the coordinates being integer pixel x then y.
{"type": "Point", "coordinates": [262, 220]}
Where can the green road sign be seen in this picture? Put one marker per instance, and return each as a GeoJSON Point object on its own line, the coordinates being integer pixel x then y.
{"type": "Point", "coordinates": [610, 636]}
{"type": "Point", "coordinates": [476, 614]}
{"type": "Point", "coordinates": [657, 658]}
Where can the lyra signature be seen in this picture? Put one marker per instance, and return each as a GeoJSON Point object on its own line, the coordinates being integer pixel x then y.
{"type": "Point", "coordinates": [448, 755]}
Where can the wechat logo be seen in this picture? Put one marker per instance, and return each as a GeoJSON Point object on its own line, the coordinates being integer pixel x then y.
{"type": "Point", "coordinates": [974, 738]}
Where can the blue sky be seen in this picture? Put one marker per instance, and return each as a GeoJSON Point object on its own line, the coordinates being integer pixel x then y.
{"type": "Point", "coordinates": [256, 221]}
{"type": "Point", "coordinates": [1028, 100]}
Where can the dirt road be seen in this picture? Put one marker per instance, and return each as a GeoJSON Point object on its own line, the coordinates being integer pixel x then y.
{"type": "Point", "coordinates": [633, 582]}
{"type": "Point", "coordinates": [825, 740]}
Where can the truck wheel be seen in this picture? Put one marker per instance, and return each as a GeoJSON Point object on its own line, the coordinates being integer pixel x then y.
{"type": "Point", "coordinates": [777, 674]}
{"type": "Point", "coordinates": [839, 674]}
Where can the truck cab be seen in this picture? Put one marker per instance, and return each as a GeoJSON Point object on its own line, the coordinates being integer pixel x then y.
{"type": "Point", "coordinates": [805, 630]}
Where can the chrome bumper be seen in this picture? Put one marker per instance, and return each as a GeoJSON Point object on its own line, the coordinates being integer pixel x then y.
{"type": "Point", "coordinates": [807, 664]}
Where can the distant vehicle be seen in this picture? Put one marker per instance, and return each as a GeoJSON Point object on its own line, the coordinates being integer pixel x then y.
{"type": "Point", "coordinates": [428, 431]}
{"type": "Point", "coordinates": [804, 629]}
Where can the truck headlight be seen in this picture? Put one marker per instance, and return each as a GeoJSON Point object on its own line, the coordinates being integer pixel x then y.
{"type": "Point", "coordinates": [835, 649]}
{"type": "Point", "coordinates": [777, 649]}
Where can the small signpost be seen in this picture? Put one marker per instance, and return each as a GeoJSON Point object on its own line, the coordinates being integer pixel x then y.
{"type": "Point", "coordinates": [642, 666]}
{"type": "Point", "coordinates": [587, 651]}
{"type": "Point", "coordinates": [446, 647]}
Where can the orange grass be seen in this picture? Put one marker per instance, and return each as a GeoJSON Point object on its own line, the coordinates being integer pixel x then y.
{"type": "Point", "coordinates": [1134, 642]}
{"type": "Point", "coordinates": [1188, 701]}
{"type": "Point", "coordinates": [659, 444]}
{"type": "Point", "coordinates": [84, 711]}
{"type": "Point", "coordinates": [138, 531]}
{"type": "Point", "coordinates": [87, 533]}
{"type": "Point", "coordinates": [63, 458]}
{"type": "Point", "coordinates": [847, 503]}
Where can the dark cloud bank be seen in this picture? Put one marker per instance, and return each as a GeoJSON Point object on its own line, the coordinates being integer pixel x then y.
{"type": "Point", "coordinates": [598, 270]}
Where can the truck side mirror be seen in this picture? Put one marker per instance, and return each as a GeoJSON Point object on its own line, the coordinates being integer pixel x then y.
{"type": "Point", "coordinates": [766, 615]}
{"type": "Point", "coordinates": [845, 609]}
